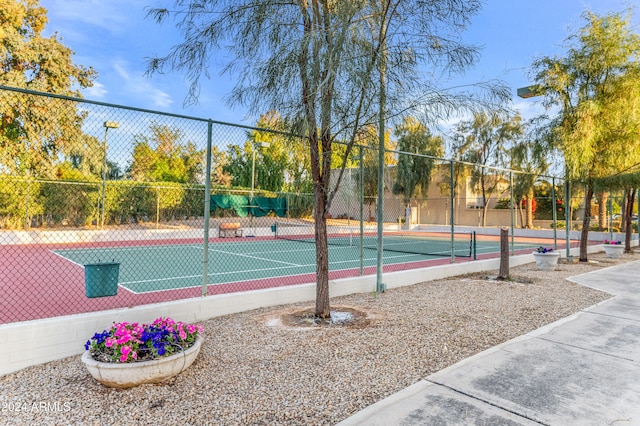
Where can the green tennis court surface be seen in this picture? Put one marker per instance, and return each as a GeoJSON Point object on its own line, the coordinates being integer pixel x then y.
{"type": "Point", "coordinates": [150, 268]}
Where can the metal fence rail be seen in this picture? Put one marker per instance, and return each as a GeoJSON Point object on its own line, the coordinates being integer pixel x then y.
{"type": "Point", "coordinates": [104, 206]}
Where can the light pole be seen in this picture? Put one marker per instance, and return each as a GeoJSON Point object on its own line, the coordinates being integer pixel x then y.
{"type": "Point", "coordinates": [253, 176]}
{"type": "Point", "coordinates": [253, 164]}
{"type": "Point", "coordinates": [107, 125]}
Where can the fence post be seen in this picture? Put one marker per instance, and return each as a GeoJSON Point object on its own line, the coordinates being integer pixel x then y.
{"type": "Point", "coordinates": [638, 216]}
{"type": "Point", "coordinates": [361, 190]}
{"type": "Point", "coordinates": [554, 213]}
{"type": "Point", "coordinates": [380, 287]}
{"type": "Point", "coordinates": [511, 208]}
{"type": "Point", "coordinates": [609, 215]}
{"type": "Point", "coordinates": [452, 196]}
{"type": "Point", "coordinates": [157, 207]}
{"type": "Point", "coordinates": [207, 212]}
{"type": "Point", "coordinates": [567, 216]}
{"type": "Point", "coordinates": [27, 222]}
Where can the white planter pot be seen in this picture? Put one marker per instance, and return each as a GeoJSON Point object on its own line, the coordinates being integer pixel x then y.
{"type": "Point", "coordinates": [546, 261]}
{"type": "Point", "coordinates": [126, 375]}
{"type": "Point", "coordinates": [613, 251]}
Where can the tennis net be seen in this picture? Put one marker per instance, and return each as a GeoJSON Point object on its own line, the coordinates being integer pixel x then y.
{"type": "Point", "coordinates": [402, 241]}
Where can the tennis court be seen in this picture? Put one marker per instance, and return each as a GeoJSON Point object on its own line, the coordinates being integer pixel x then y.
{"type": "Point", "coordinates": [153, 268]}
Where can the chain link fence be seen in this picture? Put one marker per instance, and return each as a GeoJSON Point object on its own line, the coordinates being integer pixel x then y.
{"type": "Point", "coordinates": [105, 206]}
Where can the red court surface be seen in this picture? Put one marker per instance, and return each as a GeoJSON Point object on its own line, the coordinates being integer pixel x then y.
{"type": "Point", "coordinates": [36, 283]}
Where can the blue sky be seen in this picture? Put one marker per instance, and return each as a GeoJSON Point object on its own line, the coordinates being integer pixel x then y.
{"type": "Point", "coordinates": [114, 37]}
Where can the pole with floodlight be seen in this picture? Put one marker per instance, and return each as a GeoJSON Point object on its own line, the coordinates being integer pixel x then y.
{"type": "Point", "coordinates": [253, 178]}
{"type": "Point", "coordinates": [107, 125]}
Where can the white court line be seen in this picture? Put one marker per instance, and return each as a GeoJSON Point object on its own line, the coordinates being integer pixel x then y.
{"type": "Point", "coordinates": [129, 248]}
{"type": "Point", "coordinates": [66, 258]}
{"type": "Point", "coordinates": [221, 274]}
{"type": "Point", "coordinates": [256, 257]}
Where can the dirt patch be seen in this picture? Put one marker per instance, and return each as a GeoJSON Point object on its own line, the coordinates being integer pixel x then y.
{"type": "Point", "coordinates": [341, 316]}
{"type": "Point", "coordinates": [513, 279]}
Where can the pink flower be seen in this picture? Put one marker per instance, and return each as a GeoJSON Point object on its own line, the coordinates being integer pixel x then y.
{"type": "Point", "coordinates": [125, 353]}
{"type": "Point", "coordinates": [124, 339]}
{"type": "Point", "coordinates": [122, 330]}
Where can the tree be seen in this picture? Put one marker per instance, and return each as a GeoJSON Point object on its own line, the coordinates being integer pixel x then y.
{"type": "Point", "coordinates": [36, 135]}
{"type": "Point", "coordinates": [280, 163]}
{"type": "Point", "coordinates": [274, 161]}
{"type": "Point", "coordinates": [483, 141]}
{"type": "Point", "coordinates": [368, 139]}
{"type": "Point", "coordinates": [530, 155]}
{"type": "Point", "coordinates": [318, 62]}
{"type": "Point", "coordinates": [219, 161]}
{"type": "Point", "coordinates": [414, 172]}
{"type": "Point", "coordinates": [161, 157]}
{"type": "Point", "coordinates": [592, 85]}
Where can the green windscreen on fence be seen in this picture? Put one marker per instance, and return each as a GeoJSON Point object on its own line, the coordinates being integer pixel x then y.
{"type": "Point", "coordinates": [256, 206]}
{"type": "Point", "coordinates": [261, 206]}
{"type": "Point", "coordinates": [402, 241]}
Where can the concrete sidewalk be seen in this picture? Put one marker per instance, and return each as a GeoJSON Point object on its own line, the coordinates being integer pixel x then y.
{"type": "Point", "coordinates": [582, 370]}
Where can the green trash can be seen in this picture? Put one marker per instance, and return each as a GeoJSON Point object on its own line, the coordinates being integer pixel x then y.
{"type": "Point", "coordinates": [101, 279]}
{"type": "Point", "coordinates": [274, 228]}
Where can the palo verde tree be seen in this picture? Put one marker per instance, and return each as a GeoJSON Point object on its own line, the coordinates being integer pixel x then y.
{"type": "Point", "coordinates": [36, 133]}
{"type": "Point", "coordinates": [320, 64]}
{"type": "Point", "coordinates": [483, 142]}
{"type": "Point", "coordinates": [368, 140]}
{"type": "Point", "coordinates": [272, 150]}
{"type": "Point", "coordinates": [592, 85]}
{"type": "Point", "coordinates": [529, 152]}
{"type": "Point", "coordinates": [414, 172]}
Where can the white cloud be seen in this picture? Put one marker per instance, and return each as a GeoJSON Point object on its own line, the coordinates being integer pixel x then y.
{"type": "Point", "coordinates": [529, 108]}
{"type": "Point", "coordinates": [112, 15]}
{"type": "Point", "coordinates": [138, 86]}
{"type": "Point", "coordinates": [97, 91]}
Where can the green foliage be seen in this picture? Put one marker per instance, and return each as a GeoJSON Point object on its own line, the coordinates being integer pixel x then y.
{"type": "Point", "coordinates": [483, 141]}
{"type": "Point", "coordinates": [544, 208]}
{"type": "Point", "coordinates": [281, 160]}
{"type": "Point", "coordinates": [19, 202]}
{"type": "Point", "coordinates": [161, 157]}
{"type": "Point", "coordinates": [369, 141]}
{"type": "Point", "coordinates": [414, 173]}
{"type": "Point", "coordinates": [596, 89]}
{"type": "Point", "coordinates": [503, 203]}
{"type": "Point", "coordinates": [128, 201]}
{"type": "Point", "coordinates": [595, 84]}
{"type": "Point", "coordinates": [300, 205]}
{"type": "Point", "coordinates": [37, 132]}
{"type": "Point", "coordinates": [321, 63]}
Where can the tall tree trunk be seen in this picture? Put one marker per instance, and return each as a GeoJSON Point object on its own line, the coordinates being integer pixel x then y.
{"type": "Point", "coordinates": [504, 254]}
{"type": "Point", "coordinates": [602, 198]}
{"type": "Point", "coordinates": [322, 256]}
{"type": "Point", "coordinates": [484, 215]}
{"type": "Point", "coordinates": [407, 216]}
{"type": "Point", "coordinates": [529, 208]}
{"type": "Point", "coordinates": [630, 195]}
{"type": "Point", "coordinates": [484, 203]}
{"type": "Point", "coordinates": [521, 213]}
{"type": "Point", "coordinates": [584, 235]}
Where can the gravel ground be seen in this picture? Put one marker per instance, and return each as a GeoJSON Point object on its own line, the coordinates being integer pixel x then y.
{"type": "Point", "coordinates": [254, 369]}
